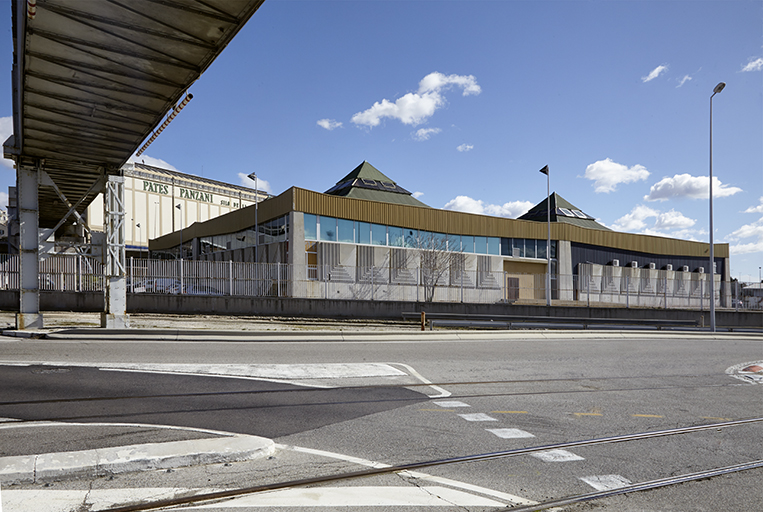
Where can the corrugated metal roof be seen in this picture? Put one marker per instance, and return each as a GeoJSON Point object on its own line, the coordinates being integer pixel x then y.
{"type": "Point", "coordinates": [93, 79]}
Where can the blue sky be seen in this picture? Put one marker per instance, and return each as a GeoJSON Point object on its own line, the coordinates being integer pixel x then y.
{"type": "Point", "coordinates": [462, 102]}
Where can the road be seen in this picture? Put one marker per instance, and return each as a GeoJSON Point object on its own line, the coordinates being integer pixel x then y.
{"type": "Point", "coordinates": [334, 407]}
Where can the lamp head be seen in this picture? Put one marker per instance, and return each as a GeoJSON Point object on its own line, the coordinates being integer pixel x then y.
{"type": "Point", "coordinates": [719, 87]}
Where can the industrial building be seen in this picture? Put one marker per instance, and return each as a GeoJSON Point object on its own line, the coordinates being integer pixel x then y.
{"type": "Point", "coordinates": [368, 230]}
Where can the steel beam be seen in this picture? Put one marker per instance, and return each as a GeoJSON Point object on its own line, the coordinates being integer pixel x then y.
{"type": "Point", "coordinates": [114, 315]}
{"type": "Point", "coordinates": [29, 316]}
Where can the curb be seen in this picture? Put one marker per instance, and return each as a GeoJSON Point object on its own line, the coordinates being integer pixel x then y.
{"type": "Point", "coordinates": [179, 335]}
{"type": "Point", "coordinates": [131, 458]}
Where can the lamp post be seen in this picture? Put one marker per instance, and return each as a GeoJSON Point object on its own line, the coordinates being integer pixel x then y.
{"type": "Point", "coordinates": [140, 241]}
{"type": "Point", "coordinates": [181, 230]}
{"type": "Point", "coordinates": [548, 241]}
{"type": "Point", "coordinates": [253, 176]}
{"type": "Point", "coordinates": [718, 88]}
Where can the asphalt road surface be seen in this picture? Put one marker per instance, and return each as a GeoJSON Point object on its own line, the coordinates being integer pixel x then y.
{"type": "Point", "coordinates": [343, 406]}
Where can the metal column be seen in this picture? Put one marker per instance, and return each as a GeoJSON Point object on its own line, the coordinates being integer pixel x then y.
{"type": "Point", "coordinates": [29, 316]}
{"type": "Point", "coordinates": [115, 303]}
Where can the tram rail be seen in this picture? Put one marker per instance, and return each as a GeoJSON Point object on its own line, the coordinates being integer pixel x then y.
{"type": "Point", "coordinates": [232, 493]}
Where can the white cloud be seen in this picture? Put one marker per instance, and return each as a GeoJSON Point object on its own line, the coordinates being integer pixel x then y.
{"type": "Point", "coordinates": [673, 220]}
{"type": "Point", "coordinates": [682, 81]}
{"type": "Point", "coordinates": [753, 230]}
{"type": "Point", "coordinates": [466, 204]}
{"type": "Point", "coordinates": [415, 108]}
{"type": "Point", "coordinates": [6, 130]}
{"type": "Point", "coordinates": [417, 194]}
{"type": "Point", "coordinates": [465, 147]}
{"type": "Point", "coordinates": [154, 162]}
{"type": "Point", "coordinates": [247, 182]}
{"type": "Point", "coordinates": [329, 124]}
{"type": "Point", "coordinates": [607, 175]}
{"type": "Point", "coordinates": [753, 65]}
{"type": "Point", "coordinates": [425, 133]}
{"type": "Point", "coordinates": [686, 185]}
{"type": "Point", "coordinates": [671, 223]}
{"type": "Point", "coordinates": [755, 209]}
{"type": "Point", "coordinates": [634, 221]}
{"type": "Point", "coordinates": [655, 73]}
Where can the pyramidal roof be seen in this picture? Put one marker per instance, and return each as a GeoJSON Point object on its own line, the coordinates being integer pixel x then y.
{"type": "Point", "coordinates": [368, 183]}
{"type": "Point", "coordinates": [562, 211]}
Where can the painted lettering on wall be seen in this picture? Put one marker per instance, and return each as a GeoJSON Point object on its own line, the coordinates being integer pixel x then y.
{"type": "Point", "coordinates": [185, 193]}
{"type": "Point", "coordinates": [156, 188]}
{"type": "Point", "coordinates": [196, 195]}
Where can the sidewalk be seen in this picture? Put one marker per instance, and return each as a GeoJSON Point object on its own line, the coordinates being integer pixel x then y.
{"type": "Point", "coordinates": [106, 455]}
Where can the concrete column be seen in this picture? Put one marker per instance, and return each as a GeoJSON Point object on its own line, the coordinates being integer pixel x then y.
{"type": "Point", "coordinates": [115, 314]}
{"type": "Point", "coordinates": [297, 259]}
{"type": "Point", "coordinates": [29, 316]}
{"type": "Point", "coordinates": [564, 269]}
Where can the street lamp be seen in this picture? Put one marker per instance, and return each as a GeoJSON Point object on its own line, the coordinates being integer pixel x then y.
{"type": "Point", "coordinates": [548, 241]}
{"type": "Point", "coordinates": [181, 230]}
{"type": "Point", "coordinates": [718, 88]}
{"type": "Point", "coordinates": [140, 241]}
{"type": "Point", "coordinates": [253, 176]}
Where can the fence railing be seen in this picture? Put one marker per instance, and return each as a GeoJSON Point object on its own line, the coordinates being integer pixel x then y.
{"type": "Point", "coordinates": [592, 286]}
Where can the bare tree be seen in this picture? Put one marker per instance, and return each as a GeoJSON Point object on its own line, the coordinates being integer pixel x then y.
{"type": "Point", "coordinates": [436, 261]}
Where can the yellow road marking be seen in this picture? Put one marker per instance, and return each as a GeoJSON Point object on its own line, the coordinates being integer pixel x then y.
{"type": "Point", "coordinates": [647, 416]}
{"type": "Point", "coordinates": [587, 414]}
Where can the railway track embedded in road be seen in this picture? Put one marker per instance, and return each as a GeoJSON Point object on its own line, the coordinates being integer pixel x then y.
{"type": "Point", "coordinates": [653, 484]}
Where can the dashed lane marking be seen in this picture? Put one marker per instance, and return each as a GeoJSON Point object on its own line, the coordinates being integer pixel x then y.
{"type": "Point", "coordinates": [477, 417]}
{"type": "Point", "coordinates": [451, 403]}
{"type": "Point", "coordinates": [557, 456]}
{"type": "Point", "coordinates": [606, 482]}
{"type": "Point", "coordinates": [509, 433]}
{"type": "Point", "coordinates": [587, 414]}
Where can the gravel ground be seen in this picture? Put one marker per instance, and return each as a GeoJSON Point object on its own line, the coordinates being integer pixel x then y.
{"type": "Point", "coordinates": [60, 320]}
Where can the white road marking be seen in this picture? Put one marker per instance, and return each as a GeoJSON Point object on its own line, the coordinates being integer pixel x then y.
{"type": "Point", "coordinates": [477, 417]}
{"type": "Point", "coordinates": [557, 456]}
{"type": "Point", "coordinates": [509, 433]}
{"type": "Point", "coordinates": [606, 482]}
{"type": "Point", "coordinates": [451, 403]}
{"type": "Point", "coordinates": [737, 371]}
{"type": "Point", "coordinates": [509, 498]}
{"type": "Point", "coordinates": [294, 374]}
{"type": "Point", "coordinates": [442, 392]}
{"type": "Point", "coordinates": [99, 499]}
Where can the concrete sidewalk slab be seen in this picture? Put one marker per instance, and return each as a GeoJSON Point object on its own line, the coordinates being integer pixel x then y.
{"type": "Point", "coordinates": [141, 457]}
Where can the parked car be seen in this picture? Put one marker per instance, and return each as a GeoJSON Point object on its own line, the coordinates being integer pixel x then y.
{"type": "Point", "coordinates": [201, 289]}
{"type": "Point", "coordinates": [162, 285]}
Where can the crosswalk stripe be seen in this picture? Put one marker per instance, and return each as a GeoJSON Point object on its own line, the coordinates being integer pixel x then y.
{"type": "Point", "coordinates": [557, 456]}
{"type": "Point", "coordinates": [606, 482]}
{"type": "Point", "coordinates": [477, 417]}
{"type": "Point", "coordinates": [509, 433]}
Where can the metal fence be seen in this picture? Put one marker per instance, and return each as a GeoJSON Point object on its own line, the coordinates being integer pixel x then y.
{"type": "Point", "coordinates": [594, 285]}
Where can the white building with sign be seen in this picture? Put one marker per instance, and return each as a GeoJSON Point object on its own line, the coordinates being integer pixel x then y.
{"type": "Point", "coordinates": [159, 201]}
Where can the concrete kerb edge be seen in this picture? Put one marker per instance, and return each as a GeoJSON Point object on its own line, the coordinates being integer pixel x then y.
{"type": "Point", "coordinates": [350, 336]}
{"type": "Point", "coordinates": [133, 458]}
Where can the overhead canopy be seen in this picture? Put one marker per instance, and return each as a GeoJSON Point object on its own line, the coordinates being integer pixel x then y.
{"type": "Point", "coordinates": [93, 78]}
